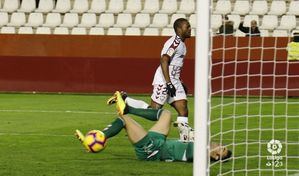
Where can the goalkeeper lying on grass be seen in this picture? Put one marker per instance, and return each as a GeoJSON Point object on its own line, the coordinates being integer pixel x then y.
{"type": "Point", "coordinates": [153, 145]}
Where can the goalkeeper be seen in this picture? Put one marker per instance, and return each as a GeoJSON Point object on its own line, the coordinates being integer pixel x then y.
{"type": "Point", "coordinates": [153, 145]}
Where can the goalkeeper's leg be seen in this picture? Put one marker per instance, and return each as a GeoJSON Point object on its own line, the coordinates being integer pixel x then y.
{"type": "Point", "coordinates": [129, 101]}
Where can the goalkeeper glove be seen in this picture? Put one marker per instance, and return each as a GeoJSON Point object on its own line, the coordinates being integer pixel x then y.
{"type": "Point", "coordinates": [171, 89]}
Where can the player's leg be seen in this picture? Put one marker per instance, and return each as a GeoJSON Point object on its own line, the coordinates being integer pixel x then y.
{"type": "Point", "coordinates": [114, 128]}
{"type": "Point", "coordinates": [155, 105]}
{"type": "Point", "coordinates": [123, 108]}
{"type": "Point", "coordinates": [162, 126]}
{"type": "Point", "coordinates": [134, 131]}
{"type": "Point", "coordinates": [129, 101]}
{"type": "Point", "coordinates": [159, 96]}
{"type": "Point", "coordinates": [186, 132]}
{"type": "Point", "coordinates": [111, 130]}
{"type": "Point", "coordinates": [163, 117]}
{"type": "Point", "coordinates": [179, 102]}
{"type": "Point", "coordinates": [158, 99]}
{"type": "Point", "coordinates": [181, 106]}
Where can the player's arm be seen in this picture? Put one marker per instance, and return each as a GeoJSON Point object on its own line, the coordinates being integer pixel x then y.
{"type": "Point", "coordinates": [165, 60]}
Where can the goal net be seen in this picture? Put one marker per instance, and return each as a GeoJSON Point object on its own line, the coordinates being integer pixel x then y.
{"type": "Point", "coordinates": [253, 105]}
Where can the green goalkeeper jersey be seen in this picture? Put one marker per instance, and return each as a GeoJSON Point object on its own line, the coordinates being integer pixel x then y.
{"type": "Point", "coordinates": [154, 146]}
{"type": "Point", "coordinates": [174, 150]}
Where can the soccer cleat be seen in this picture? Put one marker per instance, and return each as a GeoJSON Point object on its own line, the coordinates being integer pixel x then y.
{"type": "Point", "coordinates": [120, 103]}
{"type": "Point", "coordinates": [112, 99]}
{"type": "Point", "coordinates": [79, 136]}
{"type": "Point", "coordinates": [186, 132]}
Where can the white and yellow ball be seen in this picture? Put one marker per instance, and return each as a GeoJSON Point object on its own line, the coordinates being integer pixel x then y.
{"type": "Point", "coordinates": [95, 141]}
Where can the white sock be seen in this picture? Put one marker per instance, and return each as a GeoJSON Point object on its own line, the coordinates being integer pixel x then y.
{"type": "Point", "coordinates": [136, 103]}
{"type": "Point", "coordinates": [182, 119]}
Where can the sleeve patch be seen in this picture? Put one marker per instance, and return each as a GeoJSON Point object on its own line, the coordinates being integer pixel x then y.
{"type": "Point", "coordinates": [170, 52]}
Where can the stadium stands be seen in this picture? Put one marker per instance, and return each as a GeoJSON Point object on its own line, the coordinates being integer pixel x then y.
{"type": "Point", "coordinates": [25, 30]}
{"type": "Point", "coordinates": [115, 31]}
{"type": "Point", "coordinates": [142, 17]}
{"type": "Point", "coordinates": [187, 7]}
{"type": "Point", "coordinates": [61, 31]}
{"type": "Point", "coordinates": [280, 33]}
{"type": "Point", "coordinates": [142, 20]}
{"type": "Point", "coordinates": [115, 6]}
{"type": "Point", "coordinates": [52, 20]}
{"type": "Point", "coordinates": [259, 7]}
{"type": "Point", "coordinates": [287, 22]}
{"type": "Point", "coordinates": [80, 6]}
{"type": "Point", "coordinates": [151, 6]}
{"type": "Point", "coordinates": [169, 6]}
{"type": "Point", "coordinates": [123, 20]}
{"type": "Point", "coordinates": [241, 7]}
{"type": "Point", "coordinates": [3, 18]}
{"type": "Point", "coordinates": [223, 7]}
{"type": "Point", "coordinates": [62, 6]}
{"type": "Point", "coordinates": [96, 31]}
{"type": "Point", "coordinates": [45, 6]}
{"type": "Point", "coordinates": [35, 19]}
{"type": "Point", "coordinates": [133, 6]}
{"type": "Point", "coordinates": [132, 31]}
{"type": "Point", "coordinates": [27, 6]}
{"type": "Point", "coordinates": [43, 30]}
{"type": "Point", "coordinates": [270, 22]}
{"type": "Point", "coordinates": [88, 20]}
{"type": "Point", "coordinates": [293, 8]}
{"type": "Point", "coordinates": [277, 8]}
{"type": "Point", "coordinates": [8, 30]}
{"type": "Point", "coordinates": [17, 19]}
{"type": "Point", "coordinates": [78, 31]}
{"type": "Point", "coordinates": [151, 32]}
{"type": "Point", "coordinates": [10, 6]}
{"type": "Point", "coordinates": [236, 19]}
{"type": "Point", "coordinates": [70, 20]}
{"type": "Point", "coordinates": [106, 20]}
{"type": "Point", "coordinates": [97, 6]}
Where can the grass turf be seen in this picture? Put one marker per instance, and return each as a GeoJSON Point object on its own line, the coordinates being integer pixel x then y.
{"type": "Point", "coordinates": [36, 137]}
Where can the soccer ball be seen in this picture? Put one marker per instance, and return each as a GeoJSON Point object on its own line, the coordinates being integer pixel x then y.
{"type": "Point", "coordinates": [95, 141]}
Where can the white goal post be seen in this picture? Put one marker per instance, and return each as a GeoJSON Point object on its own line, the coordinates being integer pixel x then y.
{"type": "Point", "coordinates": [201, 93]}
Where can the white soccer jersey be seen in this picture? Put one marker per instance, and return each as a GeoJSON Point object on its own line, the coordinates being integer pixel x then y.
{"type": "Point", "coordinates": [175, 48]}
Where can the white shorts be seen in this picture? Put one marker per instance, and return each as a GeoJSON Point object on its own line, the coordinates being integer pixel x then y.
{"type": "Point", "coordinates": [160, 95]}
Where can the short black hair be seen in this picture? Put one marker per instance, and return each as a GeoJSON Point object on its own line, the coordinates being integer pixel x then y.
{"type": "Point", "coordinates": [296, 37]}
{"type": "Point", "coordinates": [224, 158]}
{"type": "Point", "coordinates": [229, 154]}
{"type": "Point", "coordinates": [178, 23]}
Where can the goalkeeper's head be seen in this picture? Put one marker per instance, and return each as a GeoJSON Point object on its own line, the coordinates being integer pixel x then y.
{"type": "Point", "coordinates": [219, 153]}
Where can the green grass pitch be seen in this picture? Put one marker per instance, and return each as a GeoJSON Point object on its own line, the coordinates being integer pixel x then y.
{"type": "Point", "coordinates": [36, 138]}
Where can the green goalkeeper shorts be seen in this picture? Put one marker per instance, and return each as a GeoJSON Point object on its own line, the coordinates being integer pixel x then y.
{"type": "Point", "coordinates": [148, 148]}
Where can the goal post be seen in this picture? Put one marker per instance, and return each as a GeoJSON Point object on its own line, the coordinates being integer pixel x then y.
{"type": "Point", "coordinates": [201, 109]}
{"type": "Point", "coordinates": [246, 98]}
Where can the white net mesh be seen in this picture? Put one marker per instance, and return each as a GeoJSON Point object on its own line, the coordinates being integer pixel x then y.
{"type": "Point", "coordinates": [254, 105]}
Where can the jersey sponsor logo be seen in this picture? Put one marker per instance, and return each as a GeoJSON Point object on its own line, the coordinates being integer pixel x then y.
{"type": "Point", "coordinates": [170, 52]}
{"type": "Point", "coordinates": [153, 154]}
{"type": "Point", "coordinates": [173, 46]}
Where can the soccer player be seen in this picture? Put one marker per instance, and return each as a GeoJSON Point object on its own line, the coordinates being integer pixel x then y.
{"type": "Point", "coordinates": [152, 144]}
{"type": "Point", "coordinates": [167, 85]}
